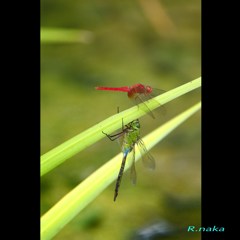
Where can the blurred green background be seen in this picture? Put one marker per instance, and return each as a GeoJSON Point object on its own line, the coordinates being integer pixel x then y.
{"type": "Point", "coordinates": [121, 43]}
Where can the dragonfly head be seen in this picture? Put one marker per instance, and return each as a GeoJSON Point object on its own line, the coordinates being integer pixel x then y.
{"type": "Point", "coordinates": [135, 124]}
{"type": "Point", "coordinates": [148, 89]}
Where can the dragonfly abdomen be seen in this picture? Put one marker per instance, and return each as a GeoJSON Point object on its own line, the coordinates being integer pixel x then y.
{"type": "Point", "coordinates": [120, 176]}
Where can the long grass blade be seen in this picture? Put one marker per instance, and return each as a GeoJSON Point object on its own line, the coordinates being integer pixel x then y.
{"type": "Point", "coordinates": [76, 200]}
{"type": "Point", "coordinates": [58, 155]}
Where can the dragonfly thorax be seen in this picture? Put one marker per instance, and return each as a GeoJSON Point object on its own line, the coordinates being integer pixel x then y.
{"type": "Point", "coordinates": [137, 89]}
{"type": "Point", "coordinates": [134, 125]}
{"type": "Point", "coordinates": [131, 137]}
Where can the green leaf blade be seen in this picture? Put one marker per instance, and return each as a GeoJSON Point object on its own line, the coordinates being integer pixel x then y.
{"type": "Point", "coordinates": [58, 155]}
{"type": "Point", "coordinates": [69, 206]}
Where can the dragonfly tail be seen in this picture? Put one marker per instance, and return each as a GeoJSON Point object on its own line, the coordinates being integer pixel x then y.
{"type": "Point", "coordinates": [118, 182]}
{"type": "Point", "coordinates": [119, 89]}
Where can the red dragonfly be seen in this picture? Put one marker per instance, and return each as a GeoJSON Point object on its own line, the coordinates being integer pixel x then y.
{"type": "Point", "coordinates": [138, 92]}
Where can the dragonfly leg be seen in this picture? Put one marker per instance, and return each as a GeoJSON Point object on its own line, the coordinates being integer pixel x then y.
{"type": "Point", "coordinates": [113, 137]}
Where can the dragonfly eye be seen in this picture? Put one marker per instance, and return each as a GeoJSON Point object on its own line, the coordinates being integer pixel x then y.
{"type": "Point", "coordinates": [137, 123]}
{"type": "Point", "coordinates": [149, 89]}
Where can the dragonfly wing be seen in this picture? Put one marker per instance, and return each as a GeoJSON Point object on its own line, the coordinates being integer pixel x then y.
{"type": "Point", "coordinates": [142, 99]}
{"type": "Point", "coordinates": [155, 93]}
{"type": "Point", "coordinates": [161, 108]}
{"type": "Point", "coordinates": [147, 158]}
{"type": "Point", "coordinates": [133, 174]}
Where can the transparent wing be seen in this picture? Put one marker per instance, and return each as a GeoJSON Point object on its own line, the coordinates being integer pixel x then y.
{"type": "Point", "coordinates": [143, 98]}
{"type": "Point", "coordinates": [147, 158]}
{"type": "Point", "coordinates": [155, 92]}
{"type": "Point", "coordinates": [133, 174]}
{"type": "Point", "coordinates": [140, 98]}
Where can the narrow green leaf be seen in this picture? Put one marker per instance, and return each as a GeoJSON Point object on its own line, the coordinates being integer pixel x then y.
{"type": "Point", "coordinates": [61, 35]}
{"type": "Point", "coordinates": [76, 200]}
{"type": "Point", "coordinates": [83, 140]}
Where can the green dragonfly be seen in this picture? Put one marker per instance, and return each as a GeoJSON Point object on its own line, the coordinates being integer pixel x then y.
{"type": "Point", "coordinates": [130, 137]}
